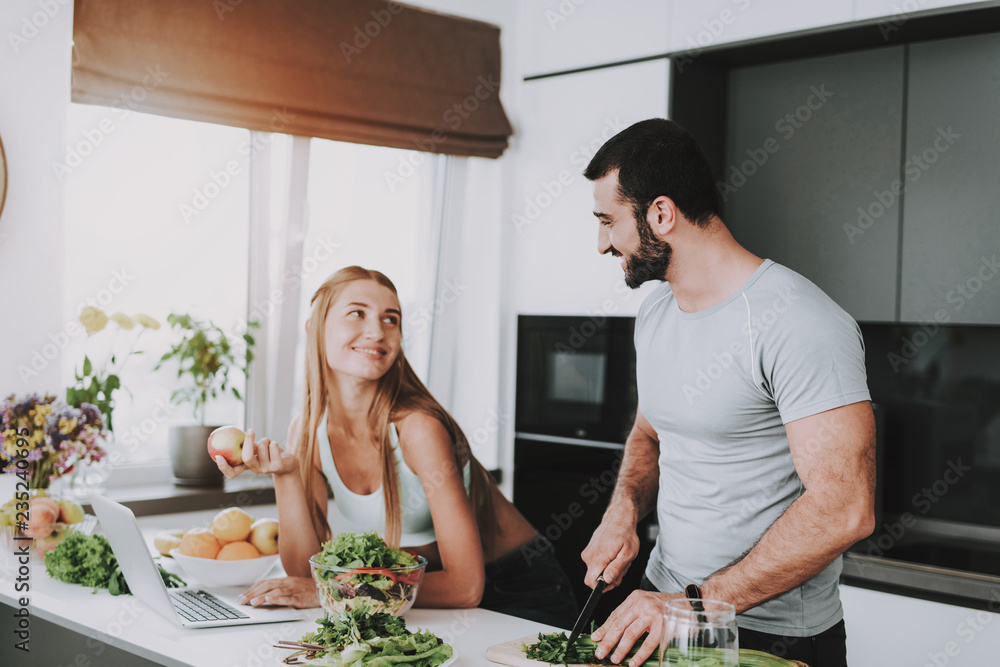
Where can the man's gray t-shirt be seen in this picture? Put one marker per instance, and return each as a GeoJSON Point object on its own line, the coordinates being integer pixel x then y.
{"type": "Point", "coordinates": [718, 385]}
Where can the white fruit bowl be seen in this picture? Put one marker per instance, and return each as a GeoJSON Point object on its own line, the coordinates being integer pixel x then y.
{"type": "Point", "coordinates": [211, 573]}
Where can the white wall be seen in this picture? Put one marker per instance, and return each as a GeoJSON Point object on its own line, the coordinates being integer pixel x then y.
{"type": "Point", "coordinates": [34, 77]}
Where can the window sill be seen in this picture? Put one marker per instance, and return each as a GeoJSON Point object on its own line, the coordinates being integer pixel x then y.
{"type": "Point", "coordinates": [167, 498]}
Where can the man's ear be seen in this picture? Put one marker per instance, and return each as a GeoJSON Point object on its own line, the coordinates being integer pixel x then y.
{"type": "Point", "coordinates": [662, 215]}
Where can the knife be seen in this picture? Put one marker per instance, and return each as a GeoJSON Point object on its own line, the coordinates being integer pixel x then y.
{"type": "Point", "coordinates": [588, 611]}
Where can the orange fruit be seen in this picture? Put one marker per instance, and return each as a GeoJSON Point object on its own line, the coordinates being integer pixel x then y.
{"type": "Point", "coordinates": [200, 543]}
{"type": "Point", "coordinates": [238, 551]}
{"type": "Point", "coordinates": [232, 525]}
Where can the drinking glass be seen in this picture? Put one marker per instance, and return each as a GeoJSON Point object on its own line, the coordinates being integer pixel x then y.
{"type": "Point", "coordinates": [699, 632]}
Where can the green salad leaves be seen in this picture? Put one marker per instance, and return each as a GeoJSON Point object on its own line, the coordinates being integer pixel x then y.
{"type": "Point", "coordinates": [364, 570]}
{"type": "Point", "coordinates": [363, 550]}
{"type": "Point", "coordinates": [358, 638]}
{"type": "Point", "coordinates": [552, 648]}
{"type": "Point", "coordinates": [89, 561]}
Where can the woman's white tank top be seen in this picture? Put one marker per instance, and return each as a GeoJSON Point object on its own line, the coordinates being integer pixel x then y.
{"type": "Point", "coordinates": [367, 512]}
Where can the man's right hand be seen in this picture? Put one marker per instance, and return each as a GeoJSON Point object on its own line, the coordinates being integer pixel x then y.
{"type": "Point", "coordinates": [611, 550]}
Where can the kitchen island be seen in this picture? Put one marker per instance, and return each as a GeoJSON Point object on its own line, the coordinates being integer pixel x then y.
{"type": "Point", "coordinates": [70, 625]}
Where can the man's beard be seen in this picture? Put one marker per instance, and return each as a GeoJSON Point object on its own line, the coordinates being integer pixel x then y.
{"type": "Point", "coordinates": [650, 261]}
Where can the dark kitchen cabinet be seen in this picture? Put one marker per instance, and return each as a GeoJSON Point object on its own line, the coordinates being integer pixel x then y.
{"type": "Point", "coordinates": [813, 150]}
{"type": "Point", "coordinates": [951, 219]}
{"type": "Point", "coordinates": [563, 490]}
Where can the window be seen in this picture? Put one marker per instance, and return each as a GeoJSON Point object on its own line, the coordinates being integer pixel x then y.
{"type": "Point", "coordinates": [158, 221]}
{"type": "Point", "coordinates": [156, 213]}
{"type": "Point", "coordinates": [376, 222]}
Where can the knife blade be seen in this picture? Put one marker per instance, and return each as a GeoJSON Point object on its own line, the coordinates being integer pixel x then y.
{"type": "Point", "coordinates": [588, 611]}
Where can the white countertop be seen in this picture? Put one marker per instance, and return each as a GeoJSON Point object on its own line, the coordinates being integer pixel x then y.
{"type": "Point", "coordinates": [126, 623]}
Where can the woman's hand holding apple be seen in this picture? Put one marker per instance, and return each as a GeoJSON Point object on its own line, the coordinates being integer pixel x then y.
{"type": "Point", "coordinates": [262, 456]}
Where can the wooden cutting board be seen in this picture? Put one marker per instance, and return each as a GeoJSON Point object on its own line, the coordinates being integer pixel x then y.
{"type": "Point", "coordinates": [510, 653]}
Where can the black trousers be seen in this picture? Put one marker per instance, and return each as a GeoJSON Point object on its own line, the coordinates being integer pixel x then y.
{"type": "Point", "coordinates": [529, 583]}
{"type": "Point", "coordinates": [827, 649]}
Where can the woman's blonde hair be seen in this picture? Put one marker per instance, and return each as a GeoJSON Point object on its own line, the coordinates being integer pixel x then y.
{"type": "Point", "coordinates": [398, 393]}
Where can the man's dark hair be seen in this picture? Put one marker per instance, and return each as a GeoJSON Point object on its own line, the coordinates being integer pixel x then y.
{"type": "Point", "coordinates": [658, 157]}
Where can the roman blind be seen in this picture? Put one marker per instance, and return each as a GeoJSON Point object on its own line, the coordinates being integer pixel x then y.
{"type": "Point", "coordinates": [363, 71]}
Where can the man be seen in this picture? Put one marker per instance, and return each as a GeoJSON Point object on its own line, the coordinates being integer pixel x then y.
{"type": "Point", "coordinates": [754, 435]}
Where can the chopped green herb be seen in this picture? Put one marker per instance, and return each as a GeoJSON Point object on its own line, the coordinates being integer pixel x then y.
{"type": "Point", "coordinates": [552, 648]}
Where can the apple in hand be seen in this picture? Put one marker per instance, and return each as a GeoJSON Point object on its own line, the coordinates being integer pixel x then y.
{"type": "Point", "coordinates": [264, 536]}
{"type": "Point", "coordinates": [227, 442]}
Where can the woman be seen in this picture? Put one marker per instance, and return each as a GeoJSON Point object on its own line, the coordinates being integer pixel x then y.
{"type": "Point", "coordinates": [397, 462]}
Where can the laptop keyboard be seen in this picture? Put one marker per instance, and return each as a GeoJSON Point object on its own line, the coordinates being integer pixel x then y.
{"type": "Point", "coordinates": [200, 606]}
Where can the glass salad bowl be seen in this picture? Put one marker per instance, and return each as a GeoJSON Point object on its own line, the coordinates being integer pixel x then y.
{"type": "Point", "coordinates": [390, 590]}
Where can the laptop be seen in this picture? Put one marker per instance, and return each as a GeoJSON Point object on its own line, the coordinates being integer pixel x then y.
{"type": "Point", "coordinates": [190, 608]}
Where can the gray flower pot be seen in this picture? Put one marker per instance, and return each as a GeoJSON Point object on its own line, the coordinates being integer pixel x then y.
{"type": "Point", "coordinates": [192, 466]}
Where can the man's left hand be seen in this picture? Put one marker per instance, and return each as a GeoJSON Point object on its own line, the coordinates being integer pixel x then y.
{"type": "Point", "coordinates": [642, 612]}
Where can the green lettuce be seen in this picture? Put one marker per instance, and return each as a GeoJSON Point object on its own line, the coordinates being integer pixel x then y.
{"type": "Point", "coordinates": [349, 550]}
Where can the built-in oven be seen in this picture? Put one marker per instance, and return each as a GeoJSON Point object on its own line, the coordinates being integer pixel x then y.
{"type": "Point", "coordinates": [576, 377]}
{"type": "Point", "coordinates": [576, 402]}
{"type": "Point", "coordinates": [936, 388]}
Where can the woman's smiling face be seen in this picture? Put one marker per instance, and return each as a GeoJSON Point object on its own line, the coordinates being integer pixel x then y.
{"type": "Point", "coordinates": [362, 330]}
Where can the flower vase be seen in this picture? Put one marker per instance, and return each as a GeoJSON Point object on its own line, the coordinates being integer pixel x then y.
{"type": "Point", "coordinates": [83, 480]}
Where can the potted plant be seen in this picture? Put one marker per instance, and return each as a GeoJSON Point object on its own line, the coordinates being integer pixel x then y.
{"type": "Point", "coordinates": [205, 356]}
{"type": "Point", "coordinates": [97, 383]}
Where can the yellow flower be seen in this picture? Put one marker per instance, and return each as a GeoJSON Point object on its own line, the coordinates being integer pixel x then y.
{"type": "Point", "coordinates": [66, 426]}
{"type": "Point", "coordinates": [123, 320]}
{"type": "Point", "coordinates": [147, 321]}
{"type": "Point", "coordinates": [93, 319]}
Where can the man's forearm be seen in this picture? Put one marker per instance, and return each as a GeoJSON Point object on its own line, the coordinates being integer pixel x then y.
{"type": "Point", "coordinates": [638, 478]}
{"type": "Point", "coordinates": [799, 545]}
